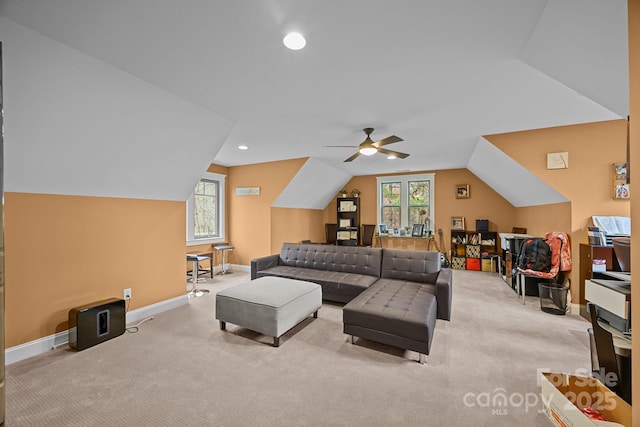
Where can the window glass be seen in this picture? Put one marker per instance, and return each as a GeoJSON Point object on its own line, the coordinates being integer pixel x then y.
{"type": "Point", "coordinates": [205, 211]}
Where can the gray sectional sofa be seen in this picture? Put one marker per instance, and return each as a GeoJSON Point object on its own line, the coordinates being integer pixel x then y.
{"type": "Point", "coordinates": [392, 296]}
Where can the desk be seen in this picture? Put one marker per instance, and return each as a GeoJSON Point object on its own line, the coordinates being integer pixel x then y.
{"type": "Point", "coordinates": [613, 298]}
{"type": "Point", "coordinates": [407, 242]}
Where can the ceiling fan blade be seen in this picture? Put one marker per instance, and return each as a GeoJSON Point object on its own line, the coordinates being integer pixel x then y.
{"type": "Point", "coordinates": [340, 146]}
{"type": "Point", "coordinates": [388, 140]}
{"type": "Point", "coordinates": [398, 154]}
{"type": "Point", "coordinates": [352, 158]}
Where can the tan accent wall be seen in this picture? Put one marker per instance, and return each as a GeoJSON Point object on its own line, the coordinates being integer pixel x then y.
{"type": "Point", "coordinates": [634, 109]}
{"type": "Point", "coordinates": [66, 251]}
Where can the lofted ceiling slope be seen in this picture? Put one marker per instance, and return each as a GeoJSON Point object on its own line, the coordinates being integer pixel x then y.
{"type": "Point", "coordinates": [438, 74]}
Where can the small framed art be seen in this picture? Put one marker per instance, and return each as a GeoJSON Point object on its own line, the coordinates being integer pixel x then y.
{"type": "Point", "coordinates": [462, 191]}
{"type": "Point", "coordinates": [457, 223]}
{"type": "Point", "coordinates": [417, 230]}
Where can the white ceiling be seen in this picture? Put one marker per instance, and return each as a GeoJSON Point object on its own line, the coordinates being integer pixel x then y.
{"type": "Point", "coordinates": [439, 74]}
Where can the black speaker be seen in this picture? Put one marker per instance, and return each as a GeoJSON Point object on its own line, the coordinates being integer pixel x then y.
{"type": "Point", "coordinates": [95, 323]}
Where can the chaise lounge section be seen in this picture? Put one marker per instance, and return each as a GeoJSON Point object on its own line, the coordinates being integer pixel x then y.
{"type": "Point", "coordinates": [402, 307]}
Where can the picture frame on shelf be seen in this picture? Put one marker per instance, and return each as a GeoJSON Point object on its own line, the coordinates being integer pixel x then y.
{"type": "Point", "coordinates": [417, 230]}
{"type": "Point", "coordinates": [462, 191]}
{"type": "Point", "coordinates": [457, 223]}
{"type": "Point", "coordinates": [345, 223]}
{"type": "Point", "coordinates": [382, 230]}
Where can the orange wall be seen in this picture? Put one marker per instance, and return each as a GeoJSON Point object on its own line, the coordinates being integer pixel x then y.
{"type": "Point", "coordinates": [587, 183]}
{"type": "Point", "coordinates": [66, 251]}
{"type": "Point", "coordinates": [484, 202]}
{"type": "Point", "coordinates": [249, 218]}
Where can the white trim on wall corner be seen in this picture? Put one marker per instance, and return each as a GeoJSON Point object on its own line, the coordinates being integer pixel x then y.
{"type": "Point", "coordinates": [51, 342]}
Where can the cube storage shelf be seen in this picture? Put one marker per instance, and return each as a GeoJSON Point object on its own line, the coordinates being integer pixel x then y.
{"type": "Point", "coordinates": [468, 247]}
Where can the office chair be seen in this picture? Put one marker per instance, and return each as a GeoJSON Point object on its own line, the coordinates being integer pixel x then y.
{"type": "Point", "coordinates": [331, 234]}
{"type": "Point", "coordinates": [607, 360]}
{"type": "Point", "coordinates": [367, 234]}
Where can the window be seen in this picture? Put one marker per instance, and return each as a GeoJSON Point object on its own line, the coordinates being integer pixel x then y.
{"type": "Point", "coordinates": [205, 211]}
{"type": "Point", "coordinates": [406, 200]}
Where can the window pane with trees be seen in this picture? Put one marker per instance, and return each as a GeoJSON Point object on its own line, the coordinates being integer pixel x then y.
{"type": "Point", "coordinates": [406, 200]}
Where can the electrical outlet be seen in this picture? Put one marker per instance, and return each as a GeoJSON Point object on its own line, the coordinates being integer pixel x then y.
{"type": "Point", "coordinates": [127, 293]}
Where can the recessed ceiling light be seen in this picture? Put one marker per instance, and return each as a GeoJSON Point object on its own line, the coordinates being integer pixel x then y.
{"type": "Point", "coordinates": [243, 147]}
{"type": "Point", "coordinates": [294, 41]}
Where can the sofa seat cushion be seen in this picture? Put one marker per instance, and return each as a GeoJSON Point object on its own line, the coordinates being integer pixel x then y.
{"type": "Point", "coordinates": [332, 282]}
{"type": "Point", "coordinates": [396, 307]}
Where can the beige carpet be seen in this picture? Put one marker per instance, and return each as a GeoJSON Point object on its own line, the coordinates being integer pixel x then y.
{"type": "Point", "coordinates": [181, 370]}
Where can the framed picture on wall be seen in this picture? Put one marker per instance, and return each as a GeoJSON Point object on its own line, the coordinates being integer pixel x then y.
{"type": "Point", "coordinates": [457, 223]}
{"type": "Point", "coordinates": [620, 181]}
{"type": "Point", "coordinates": [462, 191]}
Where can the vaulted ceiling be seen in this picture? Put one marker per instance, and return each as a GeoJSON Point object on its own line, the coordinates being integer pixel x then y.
{"type": "Point", "coordinates": [129, 89]}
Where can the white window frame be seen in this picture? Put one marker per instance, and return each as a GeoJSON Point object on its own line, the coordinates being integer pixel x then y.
{"type": "Point", "coordinates": [191, 240]}
{"type": "Point", "coordinates": [404, 195]}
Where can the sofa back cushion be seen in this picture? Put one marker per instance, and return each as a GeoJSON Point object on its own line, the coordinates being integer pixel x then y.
{"type": "Point", "coordinates": [347, 259]}
{"type": "Point", "coordinates": [414, 266]}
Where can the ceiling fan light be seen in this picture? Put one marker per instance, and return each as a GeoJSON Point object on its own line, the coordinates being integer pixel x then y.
{"type": "Point", "coordinates": [368, 151]}
{"type": "Point", "coordinates": [391, 156]}
{"type": "Point", "coordinates": [294, 41]}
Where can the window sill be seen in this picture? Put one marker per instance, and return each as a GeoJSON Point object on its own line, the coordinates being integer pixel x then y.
{"type": "Point", "coordinates": [206, 241]}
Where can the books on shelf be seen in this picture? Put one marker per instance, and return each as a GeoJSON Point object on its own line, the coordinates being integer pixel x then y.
{"type": "Point", "coordinates": [596, 237]}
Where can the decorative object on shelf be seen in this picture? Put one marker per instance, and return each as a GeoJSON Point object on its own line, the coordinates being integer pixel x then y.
{"type": "Point", "coordinates": [355, 193]}
{"type": "Point", "coordinates": [462, 191]}
{"type": "Point", "coordinates": [343, 192]}
{"type": "Point", "coordinates": [620, 181]}
{"type": "Point", "coordinates": [417, 230]}
{"type": "Point", "coordinates": [382, 230]}
{"type": "Point", "coordinates": [457, 223]}
{"type": "Point", "coordinates": [558, 160]}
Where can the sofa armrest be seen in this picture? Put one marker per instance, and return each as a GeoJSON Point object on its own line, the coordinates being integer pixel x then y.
{"type": "Point", "coordinates": [259, 264]}
{"type": "Point", "coordinates": [444, 293]}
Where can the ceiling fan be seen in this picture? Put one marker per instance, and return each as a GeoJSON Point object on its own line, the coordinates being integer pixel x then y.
{"type": "Point", "coordinates": [368, 147]}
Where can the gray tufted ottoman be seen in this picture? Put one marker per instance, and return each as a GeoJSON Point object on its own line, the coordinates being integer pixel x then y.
{"type": "Point", "coordinates": [269, 305]}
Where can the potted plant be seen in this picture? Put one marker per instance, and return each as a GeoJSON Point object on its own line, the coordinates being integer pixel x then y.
{"type": "Point", "coordinates": [343, 192]}
{"type": "Point", "coordinates": [355, 192]}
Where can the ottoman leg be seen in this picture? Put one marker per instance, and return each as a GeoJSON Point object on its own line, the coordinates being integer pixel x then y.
{"type": "Point", "coordinates": [223, 325]}
{"type": "Point", "coordinates": [315, 314]}
{"type": "Point", "coordinates": [276, 341]}
{"type": "Point", "coordinates": [422, 359]}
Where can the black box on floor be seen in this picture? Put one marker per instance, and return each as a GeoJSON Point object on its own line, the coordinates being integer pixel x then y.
{"type": "Point", "coordinates": [96, 322]}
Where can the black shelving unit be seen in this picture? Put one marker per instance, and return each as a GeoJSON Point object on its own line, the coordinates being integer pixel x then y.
{"type": "Point", "coordinates": [348, 220]}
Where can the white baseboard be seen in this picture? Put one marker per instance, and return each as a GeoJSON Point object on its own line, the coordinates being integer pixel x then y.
{"type": "Point", "coordinates": [574, 308]}
{"type": "Point", "coordinates": [48, 343]}
{"type": "Point", "coordinates": [238, 267]}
